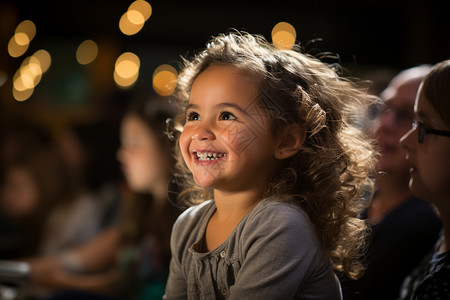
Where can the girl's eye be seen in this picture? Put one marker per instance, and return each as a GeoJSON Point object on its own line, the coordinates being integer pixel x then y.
{"type": "Point", "coordinates": [192, 116]}
{"type": "Point", "coordinates": [227, 116]}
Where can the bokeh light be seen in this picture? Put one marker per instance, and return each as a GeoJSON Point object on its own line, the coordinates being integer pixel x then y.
{"type": "Point", "coordinates": [27, 27]}
{"type": "Point", "coordinates": [126, 70]}
{"type": "Point", "coordinates": [134, 18]}
{"type": "Point", "coordinates": [125, 82]}
{"type": "Point", "coordinates": [29, 74]}
{"type": "Point", "coordinates": [127, 26]}
{"type": "Point", "coordinates": [20, 41]}
{"type": "Point", "coordinates": [87, 51]}
{"type": "Point", "coordinates": [44, 59]}
{"type": "Point", "coordinates": [143, 7]}
{"type": "Point", "coordinates": [165, 79]}
{"type": "Point", "coordinates": [22, 95]}
{"type": "Point", "coordinates": [284, 35]}
{"type": "Point", "coordinates": [16, 50]}
{"type": "Point", "coordinates": [32, 66]}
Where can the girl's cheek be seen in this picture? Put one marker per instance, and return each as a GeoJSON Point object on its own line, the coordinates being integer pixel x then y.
{"type": "Point", "coordinates": [238, 138]}
{"type": "Point", "coordinates": [183, 144]}
{"type": "Point", "coordinates": [182, 140]}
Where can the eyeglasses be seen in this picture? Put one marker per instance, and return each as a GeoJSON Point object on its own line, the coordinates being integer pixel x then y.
{"type": "Point", "coordinates": [423, 130]}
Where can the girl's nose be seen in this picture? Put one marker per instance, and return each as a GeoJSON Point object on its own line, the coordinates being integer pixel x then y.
{"type": "Point", "coordinates": [203, 133]}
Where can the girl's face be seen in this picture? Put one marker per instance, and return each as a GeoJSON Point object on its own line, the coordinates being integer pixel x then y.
{"type": "Point", "coordinates": [143, 164]}
{"type": "Point", "coordinates": [20, 193]}
{"type": "Point", "coordinates": [227, 141]}
{"type": "Point", "coordinates": [430, 171]}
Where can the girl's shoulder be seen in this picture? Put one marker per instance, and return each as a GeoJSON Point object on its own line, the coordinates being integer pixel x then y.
{"type": "Point", "coordinates": [196, 212]}
{"type": "Point", "coordinates": [279, 209]}
{"type": "Point", "coordinates": [274, 222]}
{"type": "Point", "coordinates": [275, 214]}
{"type": "Point", "coordinates": [193, 218]}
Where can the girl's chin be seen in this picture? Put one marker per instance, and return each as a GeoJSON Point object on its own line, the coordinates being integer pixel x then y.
{"type": "Point", "coordinates": [204, 183]}
{"type": "Point", "coordinates": [208, 181]}
{"type": "Point", "coordinates": [206, 177]}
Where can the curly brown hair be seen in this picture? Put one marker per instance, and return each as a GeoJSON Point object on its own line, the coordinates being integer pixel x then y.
{"type": "Point", "coordinates": [330, 174]}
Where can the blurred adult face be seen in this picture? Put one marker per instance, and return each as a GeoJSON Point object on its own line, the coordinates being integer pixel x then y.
{"type": "Point", "coordinates": [429, 160]}
{"type": "Point", "coordinates": [143, 164]}
{"type": "Point", "coordinates": [394, 122]}
{"type": "Point", "coordinates": [20, 194]}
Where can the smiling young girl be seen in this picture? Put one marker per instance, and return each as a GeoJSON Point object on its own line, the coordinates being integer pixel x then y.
{"type": "Point", "coordinates": [268, 139]}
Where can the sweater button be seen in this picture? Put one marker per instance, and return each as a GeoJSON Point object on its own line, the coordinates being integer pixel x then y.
{"type": "Point", "coordinates": [222, 253]}
{"type": "Point", "coordinates": [224, 292]}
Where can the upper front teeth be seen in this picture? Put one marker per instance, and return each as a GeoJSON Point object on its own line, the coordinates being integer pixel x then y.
{"type": "Point", "coordinates": [209, 155]}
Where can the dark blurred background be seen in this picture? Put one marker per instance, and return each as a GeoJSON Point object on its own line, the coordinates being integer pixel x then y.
{"type": "Point", "coordinates": [373, 38]}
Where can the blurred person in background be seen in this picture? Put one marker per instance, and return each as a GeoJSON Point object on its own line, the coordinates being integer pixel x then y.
{"type": "Point", "coordinates": [427, 147]}
{"type": "Point", "coordinates": [148, 165]}
{"type": "Point", "coordinates": [17, 138]}
{"type": "Point", "coordinates": [142, 254]}
{"type": "Point", "coordinates": [96, 204]}
{"type": "Point", "coordinates": [48, 207]}
{"type": "Point", "coordinates": [41, 203]}
{"type": "Point", "coordinates": [404, 227]}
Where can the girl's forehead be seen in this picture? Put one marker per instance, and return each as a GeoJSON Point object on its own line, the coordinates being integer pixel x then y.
{"type": "Point", "coordinates": [225, 71]}
{"type": "Point", "coordinates": [223, 84]}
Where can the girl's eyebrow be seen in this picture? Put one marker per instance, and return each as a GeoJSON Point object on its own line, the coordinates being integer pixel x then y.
{"type": "Point", "coordinates": [220, 105]}
{"type": "Point", "coordinates": [194, 106]}
{"type": "Point", "coordinates": [232, 105]}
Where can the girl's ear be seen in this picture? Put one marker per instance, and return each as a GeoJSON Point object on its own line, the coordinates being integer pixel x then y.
{"type": "Point", "coordinates": [290, 141]}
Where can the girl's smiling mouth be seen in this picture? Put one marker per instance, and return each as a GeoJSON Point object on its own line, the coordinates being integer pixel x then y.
{"type": "Point", "coordinates": [204, 156]}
